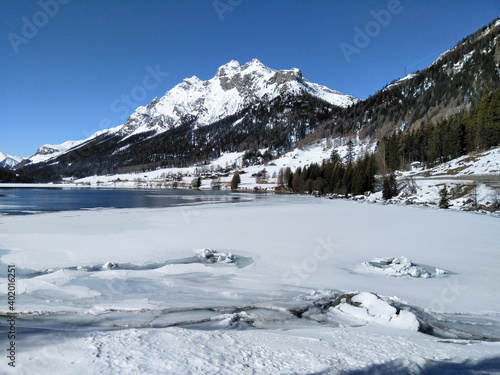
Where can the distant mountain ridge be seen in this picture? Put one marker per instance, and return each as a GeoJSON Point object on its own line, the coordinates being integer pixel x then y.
{"type": "Point", "coordinates": [9, 161]}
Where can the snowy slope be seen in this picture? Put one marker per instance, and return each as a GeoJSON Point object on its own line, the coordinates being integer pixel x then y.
{"type": "Point", "coordinates": [299, 157]}
{"type": "Point", "coordinates": [482, 163]}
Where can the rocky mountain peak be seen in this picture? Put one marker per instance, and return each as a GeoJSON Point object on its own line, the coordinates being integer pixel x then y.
{"type": "Point", "coordinates": [231, 67]}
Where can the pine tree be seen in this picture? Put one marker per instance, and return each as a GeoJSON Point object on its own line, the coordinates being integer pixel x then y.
{"type": "Point", "coordinates": [445, 198]}
{"type": "Point", "coordinates": [288, 177]}
{"type": "Point", "coordinates": [350, 152]}
{"type": "Point", "coordinates": [235, 181]}
{"type": "Point", "coordinates": [196, 183]}
{"type": "Point", "coordinates": [389, 187]}
{"type": "Point", "coordinates": [281, 178]}
{"type": "Point", "coordinates": [298, 184]}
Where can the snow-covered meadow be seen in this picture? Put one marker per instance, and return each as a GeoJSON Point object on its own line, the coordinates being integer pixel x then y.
{"type": "Point", "coordinates": [275, 285]}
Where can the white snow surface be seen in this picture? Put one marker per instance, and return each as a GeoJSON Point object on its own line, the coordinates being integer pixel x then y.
{"type": "Point", "coordinates": [400, 81]}
{"type": "Point", "coordinates": [130, 291]}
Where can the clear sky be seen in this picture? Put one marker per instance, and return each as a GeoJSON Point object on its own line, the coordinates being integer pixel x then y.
{"type": "Point", "coordinates": [67, 67]}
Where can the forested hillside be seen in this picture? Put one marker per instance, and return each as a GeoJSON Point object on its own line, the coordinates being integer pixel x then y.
{"type": "Point", "coordinates": [452, 84]}
{"type": "Point", "coordinates": [433, 143]}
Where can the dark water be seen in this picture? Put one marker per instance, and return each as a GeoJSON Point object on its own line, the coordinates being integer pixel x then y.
{"type": "Point", "coordinates": [23, 201]}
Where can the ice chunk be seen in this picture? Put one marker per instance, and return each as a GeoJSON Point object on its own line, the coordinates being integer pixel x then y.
{"type": "Point", "coordinates": [213, 256]}
{"type": "Point", "coordinates": [368, 307]}
{"type": "Point", "coordinates": [110, 265]}
{"type": "Point", "coordinates": [401, 266]}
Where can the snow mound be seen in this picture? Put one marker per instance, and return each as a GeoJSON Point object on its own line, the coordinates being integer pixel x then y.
{"type": "Point", "coordinates": [356, 309]}
{"type": "Point", "coordinates": [214, 256]}
{"type": "Point", "coordinates": [402, 267]}
{"type": "Point", "coordinates": [364, 308]}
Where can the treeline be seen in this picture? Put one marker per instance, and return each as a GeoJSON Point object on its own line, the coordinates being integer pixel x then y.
{"type": "Point", "coordinates": [476, 130]}
{"type": "Point", "coordinates": [332, 176]}
{"type": "Point", "coordinates": [9, 176]}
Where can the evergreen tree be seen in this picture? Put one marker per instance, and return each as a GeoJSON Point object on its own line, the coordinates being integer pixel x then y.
{"type": "Point", "coordinates": [288, 177]}
{"type": "Point", "coordinates": [196, 183]}
{"type": "Point", "coordinates": [445, 199]}
{"type": "Point", "coordinates": [235, 182]}
{"type": "Point", "coordinates": [281, 178]}
{"type": "Point", "coordinates": [389, 187]}
{"type": "Point", "coordinates": [298, 184]}
{"type": "Point", "coordinates": [350, 152]}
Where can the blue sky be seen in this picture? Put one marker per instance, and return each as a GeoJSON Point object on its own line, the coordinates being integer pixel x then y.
{"type": "Point", "coordinates": [67, 65]}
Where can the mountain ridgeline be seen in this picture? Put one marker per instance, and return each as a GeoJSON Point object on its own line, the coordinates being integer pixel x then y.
{"type": "Point", "coordinates": [251, 107]}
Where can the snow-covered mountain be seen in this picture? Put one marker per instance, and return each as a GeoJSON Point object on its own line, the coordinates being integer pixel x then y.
{"type": "Point", "coordinates": [9, 161]}
{"type": "Point", "coordinates": [234, 89]}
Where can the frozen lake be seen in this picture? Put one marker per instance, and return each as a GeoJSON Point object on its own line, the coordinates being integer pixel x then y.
{"type": "Point", "coordinates": [22, 201]}
{"type": "Point", "coordinates": [279, 285]}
